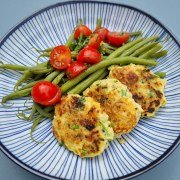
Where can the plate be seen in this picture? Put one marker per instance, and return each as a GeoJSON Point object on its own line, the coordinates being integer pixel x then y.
{"type": "Point", "coordinates": [146, 146]}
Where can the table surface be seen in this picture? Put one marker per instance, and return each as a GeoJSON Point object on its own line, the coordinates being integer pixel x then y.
{"type": "Point", "coordinates": [12, 12]}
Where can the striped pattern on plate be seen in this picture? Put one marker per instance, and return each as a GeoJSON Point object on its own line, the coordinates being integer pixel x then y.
{"type": "Point", "coordinates": [149, 143]}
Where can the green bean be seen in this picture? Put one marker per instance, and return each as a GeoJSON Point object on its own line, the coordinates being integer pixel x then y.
{"type": "Point", "coordinates": [86, 83]}
{"type": "Point", "coordinates": [70, 40]}
{"type": "Point", "coordinates": [58, 78]}
{"type": "Point", "coordinates": [99, 22]}
{"type": "Point", "coordinates": [160, 74]}
{"type": "Point", "coordinates": [27, 74]}
{"type": "Point", "coordinates": [14, 67]}
{"type": "Point", "coordinates": [108, 51]}
{"type": "Point", "coordinates": [53, 75]}
{"type": "Point", "coordinates": [38, 77]}
{"type": "Point", "coordinates": [149, 53]}
{"type": "Point", "coordinates": [45, 54]}
{"type": "Point", "coordinates": [19, 67]}
{"type": "Point", "coordinates": [37, 121]}
{"type": "Point", "coordinates": [41, 70]}
{"type": "Point", "coordinates": [121, 49]}
{"type": "Point", "coordinates": [22, 115]}
{"type": "Point", "coordinates": [16, 94]}
{"type": "Point", "coordinates": [49, 108]}
{"type": "Point", "coordinates": [80, 22]}
{"type": "Point", "coordinates": [43, 64]}
{"type": "Point", "coordinates": [103, 75]}
{"type": "Point", "coordinates": [136, 33]}
{"type": "Point", "coordinates": [159, 54]}
{"type": "Point", "coordinates": [33, 112]}
{"type": "Point", "coordinates": [105, 45]}
{"type": "Point", "coordinates": [103, 64]}
{"type": "Point", "coordinates": [139, 45]}
{"type": "Point", "coordinates": [42, 112]}
{"type": "Point", "coordinates": [143, 49]}
{"type": "Point", "coordinates": [45, 50]}
{"type": "Point", "coordinates": [104, 57]}
{"type": "Point", "coordinates": [31, 84]}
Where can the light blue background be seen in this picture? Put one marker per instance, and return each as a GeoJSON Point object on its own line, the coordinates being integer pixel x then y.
{"type": "Point", "coordinates": [167, 11]}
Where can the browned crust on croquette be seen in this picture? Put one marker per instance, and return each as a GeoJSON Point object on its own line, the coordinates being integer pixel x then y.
{"type": "Point", "coordinates": [122, 111]}
{"type": "Point", "coordinates": [76, 126]}
{"type": "Point", "coordinates": [137, 78]}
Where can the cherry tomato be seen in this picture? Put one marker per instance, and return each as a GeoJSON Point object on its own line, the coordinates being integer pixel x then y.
{"type": "Point", "coordinates": [89, 55]}
{"type": "Point", "coordinates": [82, 29]}
{"type": "Point", "coordinates": [117, 39]}
{"type": "Point", "coordinates": [95, 41]}
{"type": "Point", "coordinates": [75, 69]}
{"type": "Point", "coordinates": [60, 57]}
{"type": "Point", "coordinates": [46, 93]}
{"type": "Point", "coordinates": [102, 32]}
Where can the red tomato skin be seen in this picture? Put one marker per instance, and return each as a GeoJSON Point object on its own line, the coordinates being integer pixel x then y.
{"type": "Point", "coordinates": [60, 57]}
{"type": "Point", "coordinates": [95, 41]}
{"type": "Point", "coordinates": [46, 93]}
{"type": "Point", "coordinates": [74, 69]}
{"type": "Point", "coordinates": [117, 39]}
{"type": "Point", "coordinates": [89, 55]}
{"type": "Point", "coordinates": [102, 32]}
{"type": "Point", "coordinates": [82, 29]}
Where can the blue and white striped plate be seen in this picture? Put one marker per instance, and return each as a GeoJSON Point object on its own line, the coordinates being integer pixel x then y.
{"type": "Point", "coordinates": [150, 142]}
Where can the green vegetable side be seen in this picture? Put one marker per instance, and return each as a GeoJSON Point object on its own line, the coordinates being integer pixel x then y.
{"type": "Point", "coordinates": [110, 48]}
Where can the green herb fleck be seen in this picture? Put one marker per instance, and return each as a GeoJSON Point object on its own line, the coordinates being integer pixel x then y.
{"type": "Point", "coordinates": [83, 99]}
{"type": "Point", "coordinates": [82, 42]}
{"type": "Point", "coordinates": [74, 127]}
{"type": "Point", "coordinates": [84, 151]}
{"type": "Point", "coordinates": [151, 93]}
{"type": "Point", "coordinates": [123, 92]}
{"type": "Point", "coordinates": [79, 102]}
{"type": "Point", "coordinates": [63, 80]}
{"type": "Point", "coordinates": [60, 144]}
{"type": "Point", "coordinates": [104, 129]}
{"type": "Point", "coordinates": [142, 81]}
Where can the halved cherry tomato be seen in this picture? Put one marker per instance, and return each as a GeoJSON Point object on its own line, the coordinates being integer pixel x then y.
{"type": "Point", "coordinates": [82, 29]}
{"type": "Point", "coordinates": [95, 41]}
{"type": "Point", "coordinates": [60, 57]}
{"type": "Point", "coordinates": [46, 93]}
{"type": "Point", "coordinates": [102, 32]}
{"type": "Point", "coordinates": [89, 55]}
{"type": "Point", "coordinates": [75, 69]}
{"type": "Point", "coordinates": [117, 39]}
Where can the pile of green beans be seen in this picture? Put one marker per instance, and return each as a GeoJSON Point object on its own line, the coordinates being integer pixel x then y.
{"type": "Point", "coordinates": [139, 51]}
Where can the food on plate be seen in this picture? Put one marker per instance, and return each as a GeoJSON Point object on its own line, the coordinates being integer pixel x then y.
{"type": "Point", "coordinates": [81, 125]}
{"type": "Point", "coordinates": [102, 32]}
{"type": "Point", "coordinates": [74, 69]}
{"type": "Point", "coordinates": [83, 62]}
{"type": "Point", "coordinates": [82, 30]}
{"type": "Point", "coordinates": [116, 100]}
{"type": "Point", "coordinates": [60, 57]}
{"type": "Point", "coordinates": [89, 55]}
{"type": "Point", "coordinates": [146, 87]}
{"type": "Point", "coordinates": [46, 93]}
{"type": "Point", "coordinates": [117, 39]}
{"type": "Point", "coordinates": [95, 41]}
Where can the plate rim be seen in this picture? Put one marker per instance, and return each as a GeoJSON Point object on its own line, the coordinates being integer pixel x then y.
{"type": "Point", "coordinates": [26, 19]}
